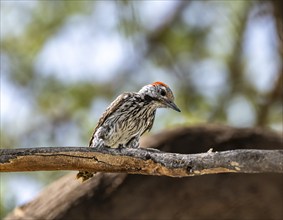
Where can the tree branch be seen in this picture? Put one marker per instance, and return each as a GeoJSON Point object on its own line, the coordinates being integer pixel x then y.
{"type": "Point", "coordinates": [68, 199]}
{"type": "Point", "coordinates": [140, 161]}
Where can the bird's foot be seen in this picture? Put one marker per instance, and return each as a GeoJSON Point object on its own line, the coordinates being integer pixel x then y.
{"type": "Point", "coordinates": [133, 143]}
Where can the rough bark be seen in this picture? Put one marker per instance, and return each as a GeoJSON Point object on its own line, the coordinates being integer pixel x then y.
{"type": "Point", "coordinates": [121, 196]}
{"type": "Point", "coordinates": [140, 161]}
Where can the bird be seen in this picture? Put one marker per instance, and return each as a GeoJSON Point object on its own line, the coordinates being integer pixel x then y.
{"type": "Point", "coordinates": [128, 117]}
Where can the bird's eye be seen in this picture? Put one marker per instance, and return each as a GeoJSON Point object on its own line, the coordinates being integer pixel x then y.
{"type": "Point", "coordinates": [163, 92]}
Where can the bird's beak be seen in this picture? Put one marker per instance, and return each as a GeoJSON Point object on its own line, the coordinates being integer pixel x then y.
{"type": "Point", "coordinates": [172, 105]}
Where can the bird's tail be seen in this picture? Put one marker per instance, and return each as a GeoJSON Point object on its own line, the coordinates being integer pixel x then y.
{"type": "Point", "coordinates": [94, 142]}
{"type": "Point", "coordinates": [85, 175]}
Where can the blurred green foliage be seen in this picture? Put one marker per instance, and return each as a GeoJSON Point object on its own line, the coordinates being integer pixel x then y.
{"type": "Point", "coordinates": [197, 47]}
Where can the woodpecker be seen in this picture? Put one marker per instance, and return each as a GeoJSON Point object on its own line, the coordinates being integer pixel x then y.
{"type": "Point", "coordinates": [128, 117]}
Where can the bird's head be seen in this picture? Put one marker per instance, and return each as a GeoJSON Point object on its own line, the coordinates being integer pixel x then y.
{"type": "Point", "coordinates": [160, 94]}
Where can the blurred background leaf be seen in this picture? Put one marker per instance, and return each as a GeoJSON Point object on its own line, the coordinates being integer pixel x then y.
{"type": "Point", "coordinates": [63, 62]}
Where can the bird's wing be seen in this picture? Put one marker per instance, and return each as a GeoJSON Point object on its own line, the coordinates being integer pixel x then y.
{"type": "Point", "coordinates": [150, 125]}
{"type": "Point", "coordinates": [110, 109]}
